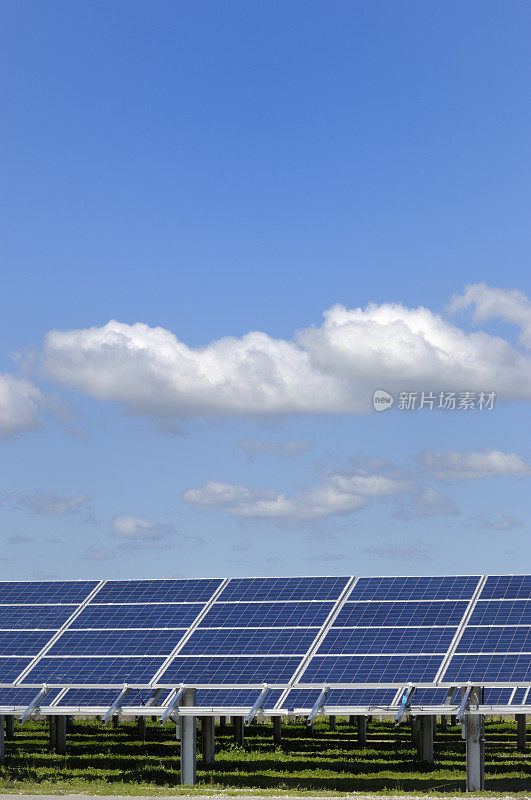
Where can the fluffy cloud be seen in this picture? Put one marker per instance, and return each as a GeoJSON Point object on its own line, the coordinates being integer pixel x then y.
{"type": "Point", "coordinates": [98, 553]}
{"type": "Point", "coordinates": [137, 533]}
{"type": "Point", "coordinates": [510, 305]}
{"type": "Point", "coordinates": [19, 406]}
{"type": "Point", "coordinates": [447, 464]}
{"type": "Point", "coordinates": [339, 494]}
{"type": "Point", "coordinates": [288, 449]}
{"type": "Point", "coordinates": [52, 503]}
{"type": "Point", "coordinates": [332, 368]}
{"type": "Point", "coordinates": [504, 523]}
{"type": "Point", "coordinates": [428, 502]}
{"type": "Point", "coordinates": [400, 552]}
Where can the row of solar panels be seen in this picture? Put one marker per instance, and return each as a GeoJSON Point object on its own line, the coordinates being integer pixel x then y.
{"type": "Point", "coordinates": [279, 631]}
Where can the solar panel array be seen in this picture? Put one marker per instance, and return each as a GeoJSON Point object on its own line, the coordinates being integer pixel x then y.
{"type": "Point", "coordinates": [229, 637]}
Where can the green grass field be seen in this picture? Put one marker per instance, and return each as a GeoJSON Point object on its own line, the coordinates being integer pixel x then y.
{"type": "Point", "coordinates": [113, 761]}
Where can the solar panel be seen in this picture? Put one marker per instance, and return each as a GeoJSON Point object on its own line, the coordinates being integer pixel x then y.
{"type": "Point", "coordinates": [401, 613]}
{"type": "Point", "coordinates": [263, 589]}
{"type": "Point", "coordinates": [34, 617]}
{"type": "Point", "coordinates": [266, 615]}
{"type": "Point", "coordinates": [511, 639]}
{"type": "Point", "coordinates": [116, 643]}
{"type": "Point", "coordinates": [10, 668]}
{"type": "Point", "coordinates": [239, 698]}
{"type": "Point", "coordinates": [82, 670]}
{"type": "Point", "coordinates": [21, 698]}
{"type": "Point", "coordinates": [230, 670]}
{"type": "Point", "coordinates": [105, 697]}
{"type": "Point", "coordinates": [306, 698]}
{"type": "Point", "coordinates": [249, 641]}
{"type": "Point", "coordinates": [415, 588]}
{"type": "Point", "coordinates": [371, 669]}
{"type": "Point", "coordinates": [501, 612]}
{"type": "Point", "coordinates": [480, 668]}
{"type": "Point", "coordinates": [138, 615]}
{"type": "Point", "coordinates": [158, 591]}
{"type": "Point", "coordinates": [429, 696]}
{"type": "Point", "coordinates": [507, 586]}
{"type": "Point", "coordinates": [387, 640]}
{"type": "Point", "coordinates": [39, 592]}
{"type": "Point", "coordinates": [23, 643]}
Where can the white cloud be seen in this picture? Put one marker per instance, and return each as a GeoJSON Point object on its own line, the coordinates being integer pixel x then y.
{"type": "Point", "coordinates": [52, 503]}
{"type": "Point", "coordinates": [400, 552]}
{"type": "Point", "coordinates": [504, 523]}
{"type": "Point", "coordinates": [339, 494]}
{"type": "Point", "coordinates": [137, 533]}
{"type": "Point", "coordinates": [448, 464]}
{"type": "Point", "coordinates": [428, 502]}
{"type": "Point", "coordinates": [19, 406]}
{"type": "Point", "coordinates": [332, 368]}
{"type": "Point", "coordinates": [98, 553]}
{"type": "Point", "coordinates": [255, 447]}
{"type": "Point", "coordinates": [489, 303]}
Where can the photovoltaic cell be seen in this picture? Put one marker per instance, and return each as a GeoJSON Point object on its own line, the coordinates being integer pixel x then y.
{"type": "Point", "coordinates": [501, 612]}
{"type": "Point", "coordinates": [230, 670]}
{"type": "Point", "coordinates": [105, 697]}
{"type": "Point", "coordinates": [487, 668]}
{"type": "Point", "coordinates": [371, 669]}
{"type": "Point", "coordinates": [264, 589]}
{"type": "Point", "coordinates": [266, 615]}
{"type": "Point", "coordinates": [387, 640]}
{"type": "Point", "coordinates": [499, 639]}
{"type": "Point", "coordinates": [237, 698]}
{"type": "Point", "coordinates": [496, 696]}
{"type": "Point", "coordinates": [415, 588]}
{"type": "Point", "coordinates": [23, 643]}
{"type": "Point", "coordinates": [23, 697]}
{"type": "Point", "coordinates": [10, 668]}
{"type": "Point", "coordinates": [429, 697]}
{"type": "Point", "coordinates": [514, 587]}
{"type": "Point", "coordinates": [39, 592]}
{"type": "Point", "coordinates": [116, 643]}
{"type": "Point", "coordinates": [82, 670]}
{"type": "Point", "coordinates": [141, 615]}
{"type": "Point", "coordinates": [158, 591]}
{"type": "Point", "coordinates": [306, 698]}
{"type": "Point", "coordinates": [39, 617]}
{"type": "Point", "coordinates": [249, 641]}
{"type": "Point", "coordinates": [401, 613]}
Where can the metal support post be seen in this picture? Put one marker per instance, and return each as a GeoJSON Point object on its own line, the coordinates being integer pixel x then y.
{"type": "Point", "coordinates": [60, 734]}
{"type": "Point", "coordinates": [521, 732]}
{"type": "Point", "coordinates": [277, 729]}
{"type": "Point", "coordinates": [2, 749]}
{"type": "Point", "coordinates": [141, 725]}
{"type": "Point", "coordinates": [425, 734]}
{"type": "Point", "coordinates": [53, 735]}
{"type": "Point", "coordinates": [444, 723]}
{"type": "Point", "coordinates": [352, 720]}
{"type": "Point", "coordinates": [238, 730]}
{"type": "Point", "coordinates": [362, 731]}
{"type": "Point", "coordinates": [332, 719]}
{"type": "Point", "coordinates": [453, 720]}
{"type": "Point", "coordinates": [10, 726]}
{"type": "Point", "coordinates": [208, 741]}
{"type": "Point", "coordinates": [188, 741]}
{"type": "Point", "coordinates": [70, 724]}
{"type": "Point", "coordinates": [475, 745]}
{"type": "Point", "coordinates": [222, 724]}
{"type": "Point", "coordinates": [115, 721]}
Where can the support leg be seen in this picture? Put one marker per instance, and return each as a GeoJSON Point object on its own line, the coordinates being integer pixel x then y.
{"type": "Point", "coordinates": [208, 741]}
{"type": "Point", "coordinates": [352, 720]}
{"type": "Point", "coordinates": [453, 720]}
{"type": "Point", "coordinates": [277, 729]}
{"type": "Point", "coordinates": [60, 733]}
{"type": "Point", "coordinates": [2, 749]}
{"type": "Point", "coordinates": [53, 735]}
{"type": "Point", "coordinates": [70, 724]}
{"type": "Point", "coordinates": [475, 746]}
{"type": "Point", "coordinates": [444, 723]}
{"type": "Point", "coordinates": [141, 726]}
{"type": "Point", "coordinates": [188, 742]}
{"type": "Point", "coordinates": [222, 724]}
{"type": "Point", "coordinates": [10, 726]}
{"type": "Point", "coordinates": [425, 734]}
{"type": "Point", "coordinates": [238, 730]}
{"type": "Point", "coordinates": [332, 719]}
{"type": "Point", "coordinates": [521, 732]}
{"type": "Point", "coordinates": [362, 731]}
{"type": "Point", "coordinates": [115, 721]}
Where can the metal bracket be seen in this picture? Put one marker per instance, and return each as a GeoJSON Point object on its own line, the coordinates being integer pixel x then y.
{"type": "Point", "coordinates": [117, 703]}
{"type": "Point", "coordinates": [317, 705]}
{"type": "Point", "coordinates": [257, 706]}
{"type": "Point", "coordinates": [173, 705]}
{"type": "Point", "coordinates": [33, 705]}
{"type": "Point", "coordinates": [405, 702]}
{"type": "Point", "coordinates": [464, 703]}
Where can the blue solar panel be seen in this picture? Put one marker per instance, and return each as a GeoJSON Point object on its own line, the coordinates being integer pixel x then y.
{"type": "Point", "coordinates": [495, 640]}
{"type": "Point", "coordinates": [306, 698]}
{"type": "Point", "coordinates": [239, 698]}
{"type": "Point", "coordinates": [158, 591]}
{"type": "Point", "coordinates": [266, 615]}
{"type": "Point", "coordinates": [520, 695]}
{"type": "Point", "coordinates": [387, 640]}
{"type": "Point", "coordinates": [230, 669]}
{"type": "Point", "coordinates": [23, 643]}
{"type": "Point", "coordinates": [116, 643]}
{"type": "Point", "coordinates": [10, 668]}
{"type": "Point", "coordinates": [23, 697]}
{"type": "Point", "coordinates": [289, 641]}
{"type": "Point", "coordinates": [34, 617]}
{"type": "Point", "coordinates": [105, 697]}
{"type": "Point", "coordinates": [371, 669]}
{"type": "Point", "coordinates": [141, 615]}
{"type": "Point", "coordinates": [39, 592]}
{"type": "Point", "coordinates": [480, 668]}
{"type": "Point", "coordinates": [494, 696]}
{"type": "Point", "coordinates": [400, 613]}
{"type": "Point", "coordinates": [263, 589]}
{"type": "Point", "coordinates": [415, 588]}
{"type": "Point", "coordinates": [114, 670]}
{"type": "Point", "coordinates": [514, 587]}
{"type": "Point", "coordinates": [429, 697]}
{"type": "Point", "coordinates": [501, 612]}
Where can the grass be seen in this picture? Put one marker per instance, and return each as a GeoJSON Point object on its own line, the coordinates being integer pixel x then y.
{"type": "Point", "coordinates": [113, 761]}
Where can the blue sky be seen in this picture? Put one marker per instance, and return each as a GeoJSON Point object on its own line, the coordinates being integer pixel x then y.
{"type": "Point", "coordinates": [214, 177]}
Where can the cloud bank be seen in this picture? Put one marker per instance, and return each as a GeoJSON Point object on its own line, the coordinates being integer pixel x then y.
{"type": "Point", "coordinates": [19, 406]}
